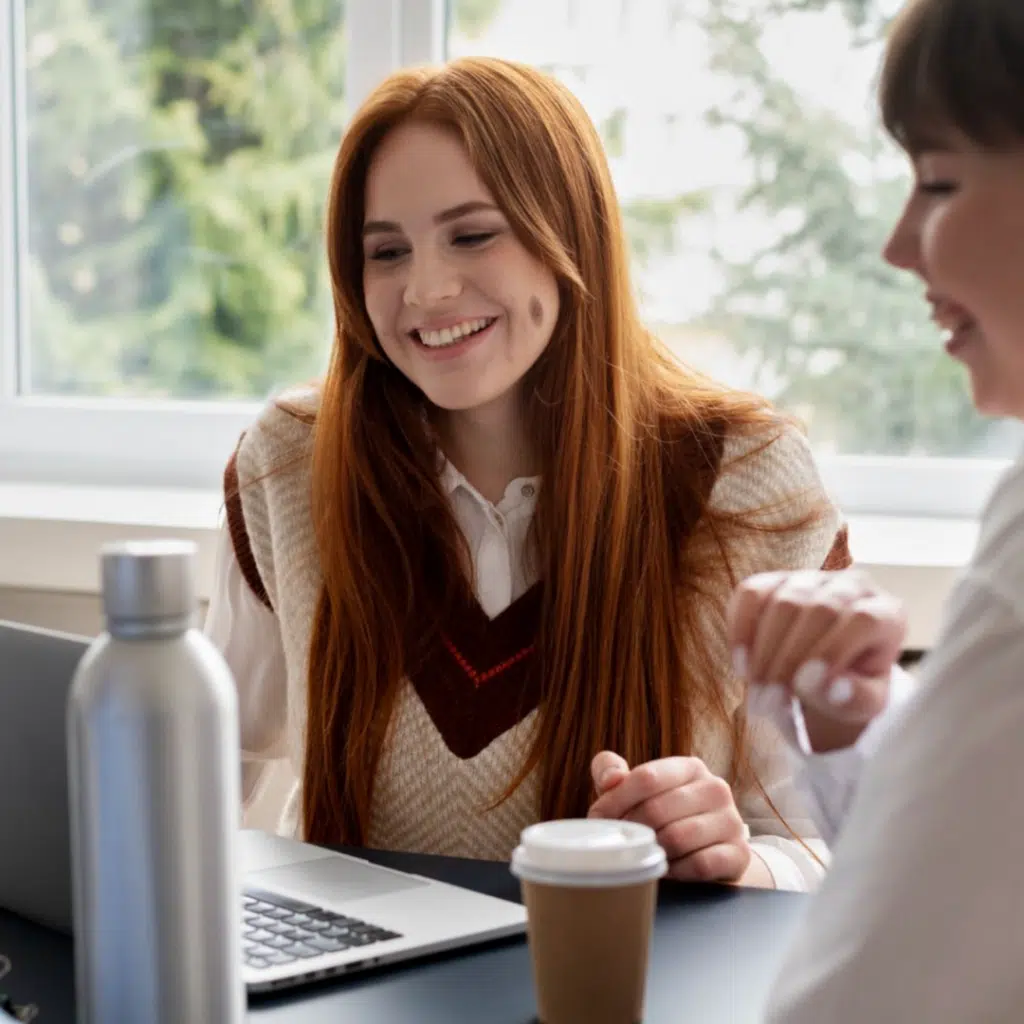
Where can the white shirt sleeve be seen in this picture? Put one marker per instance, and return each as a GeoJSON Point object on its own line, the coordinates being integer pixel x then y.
{"type": "Point", "coordinates": [921, 917]}
{"type": "Point", "coordinates": [795, 855]}
{"type": "Point", "coordinates": [829, 781]}
{"type": "Point", "coordinates": [247, 634]}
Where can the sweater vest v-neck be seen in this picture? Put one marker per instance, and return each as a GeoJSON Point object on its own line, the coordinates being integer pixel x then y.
{"type": "Point", "coordinates": [464, 720]}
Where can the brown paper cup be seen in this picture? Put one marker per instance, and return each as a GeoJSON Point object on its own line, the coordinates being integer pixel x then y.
{"type": "Point", "coordinates": [589, 947]}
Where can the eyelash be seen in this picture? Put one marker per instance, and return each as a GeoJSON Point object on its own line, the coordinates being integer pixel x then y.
{"type": "Point", "coordinates": [474, 238]}
{"type": "Point", "coordinates": [936, 188]}
{"type": "Point", "coordinates": [468, 240]}
{"type": "Point", "coordinates": [386, 255]}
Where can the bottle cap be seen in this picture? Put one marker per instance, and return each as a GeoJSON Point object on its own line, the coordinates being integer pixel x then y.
{"type": "Point", "coordinates": [149, 584]}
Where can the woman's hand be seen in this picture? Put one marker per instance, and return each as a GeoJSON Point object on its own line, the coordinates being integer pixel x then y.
{"type": "Point", "coordinates": [829, 638]}
{"type": "Point", "coordinates": [691, 810]}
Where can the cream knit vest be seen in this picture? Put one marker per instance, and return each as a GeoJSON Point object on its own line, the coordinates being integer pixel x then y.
{"type": "Point", "coordinates": [426, 798]}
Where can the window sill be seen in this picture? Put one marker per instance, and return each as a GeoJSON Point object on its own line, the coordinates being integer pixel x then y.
{"type": "Point", "coordinates": [50, 535]}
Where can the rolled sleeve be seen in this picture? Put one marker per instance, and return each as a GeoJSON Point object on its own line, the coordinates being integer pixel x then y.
{"type": "Point", "coordinates": [248, 636]}
{"type": "Point", "coordinates": [787, 841]}
{"type": "Point", "coordinates": [828, 781]}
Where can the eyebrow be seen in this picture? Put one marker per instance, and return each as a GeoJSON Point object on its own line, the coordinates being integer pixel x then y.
{"type": "Point", "coordinates": [379, 227]}
{"type": "Point", "coordinates": [931, 138]}
{"type": "Point", "coordinates": [933, 144]}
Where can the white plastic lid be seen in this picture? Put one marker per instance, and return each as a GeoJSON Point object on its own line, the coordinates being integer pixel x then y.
{"type": "Point", "coordinates": [588, 852]}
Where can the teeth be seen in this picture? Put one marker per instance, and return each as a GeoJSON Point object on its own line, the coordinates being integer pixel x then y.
{"type": "Point", "coordinates": [952, 318]}
{"type": "Point", "coordinates": [955, 326]}
{"type": "Point", "coordinates": [450, 335]}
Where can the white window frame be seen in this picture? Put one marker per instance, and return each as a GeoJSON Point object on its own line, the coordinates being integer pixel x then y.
{"type": "Point", "coordinates": [185, 444]}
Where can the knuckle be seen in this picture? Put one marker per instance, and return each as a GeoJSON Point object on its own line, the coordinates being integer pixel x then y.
{"type": "Point", "coordinates": [658, 811]}
{"type": "Point", "coordinates": [646, 776]}
{"type": "Point", "coordinates": [789, 602]}
{"type": "Point", "coordinates": [719, 790]}
{"type": "Point", "coordinates": [638, 816]}
{"type": "Point", "coordinates": [707, 865]}
{"type": "Point", "coordinates": [676, 839]}
{"type": "Point", "coordinates": [824, 614]}
{"type": "Point", "coordinates": [738, 827]}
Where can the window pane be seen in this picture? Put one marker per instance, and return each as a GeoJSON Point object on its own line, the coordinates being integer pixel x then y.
{"type": "Point", "coordinates": [758, 191]}
{"type": "Point", "coordinates": [178, 154]}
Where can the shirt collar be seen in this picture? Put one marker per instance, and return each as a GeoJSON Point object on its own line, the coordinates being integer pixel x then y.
{"type": "Point", "coordinates": [451, 478]}
{"type": "Point", "coordinates": [522, 489]}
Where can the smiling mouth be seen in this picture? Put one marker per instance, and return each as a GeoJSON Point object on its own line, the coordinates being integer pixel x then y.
{"type": "Point", "coordinates": [452, 335]}
{"type": "Point", "coordinates": [954, 321]}
{"type": "Point", "coordinates": [956, 334]}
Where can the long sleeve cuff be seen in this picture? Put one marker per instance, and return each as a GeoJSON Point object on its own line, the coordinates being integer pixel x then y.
{"type": "Point", "coordinates": [792, 867]}
{"type": "Point", "coordinates": [830, 779]}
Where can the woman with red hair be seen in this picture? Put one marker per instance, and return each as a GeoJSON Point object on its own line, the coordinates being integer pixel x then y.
{"type": "Point", "coordinates": [498, 539]}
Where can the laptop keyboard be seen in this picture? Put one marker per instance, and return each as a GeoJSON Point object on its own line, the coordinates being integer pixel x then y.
{"type": "Point", "coordinates": [279, 930]}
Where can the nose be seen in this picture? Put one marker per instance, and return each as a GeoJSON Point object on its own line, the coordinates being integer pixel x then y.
{"type": "Point", "coordinates": [903, 249]}
{"type": "Point", "coordinates": [431, 280]}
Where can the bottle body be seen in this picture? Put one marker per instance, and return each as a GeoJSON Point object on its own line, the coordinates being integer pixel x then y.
{"type": "Point", "coordinates": [154, 796]}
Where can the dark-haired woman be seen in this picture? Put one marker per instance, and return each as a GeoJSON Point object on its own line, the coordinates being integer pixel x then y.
{"type": "Point", "coordinates": [921, 920]}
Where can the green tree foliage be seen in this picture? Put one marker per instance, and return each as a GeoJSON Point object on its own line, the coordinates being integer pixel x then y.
{"type": "Point", "coordinates": [836, 333]}
{"type": "Point", "coordinates": [471, 18]}
{"type": "Point", "coordinates": [178, 160]}
{"type": "Point", "coordinates": [652, 223]}
{"type": "Point", "coordinates": [177, 171]}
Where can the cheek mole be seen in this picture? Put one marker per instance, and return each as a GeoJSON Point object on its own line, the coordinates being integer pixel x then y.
{"type": "Point", "coordinates": [536, 311]}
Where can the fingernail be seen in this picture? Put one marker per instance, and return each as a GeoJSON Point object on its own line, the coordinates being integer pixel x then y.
{"type": "Point", "coordinates": [809, 677]}
{"type": "Point", "coordinates": [739, 662]}
{"type": "Point", "coordinates": [607, 776]}
{"type": "Point", "coordinates": [840, 692]}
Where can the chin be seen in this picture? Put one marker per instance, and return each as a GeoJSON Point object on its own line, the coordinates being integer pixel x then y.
{"type": "Point", "coordinates": [447, 404]}
{"type": "Point", "coordinates": [464, 401]}
{"type": "Point", "coordinates": [451, 401]}
{"type": "Point", "coordinates": [997, 409]}
{"type": "Point", "coordinates": [989, 403]}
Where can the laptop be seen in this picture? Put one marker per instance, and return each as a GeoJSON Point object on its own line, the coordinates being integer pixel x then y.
{"type": "Point", "coordinates": [308, 913]}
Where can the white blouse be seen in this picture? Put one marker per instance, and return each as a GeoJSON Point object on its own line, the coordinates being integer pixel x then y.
{"type": "Point", "coordinates": [921, 917]}
{"type": "Point", "coordinates": [247, 634]}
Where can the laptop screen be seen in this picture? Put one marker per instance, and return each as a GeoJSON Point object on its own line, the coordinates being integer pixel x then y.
{"type": "Point", "coordinates": [36, 669]}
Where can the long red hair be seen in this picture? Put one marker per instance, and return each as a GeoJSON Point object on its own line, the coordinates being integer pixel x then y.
{"type": "Point", "coordinates": [625, 542]}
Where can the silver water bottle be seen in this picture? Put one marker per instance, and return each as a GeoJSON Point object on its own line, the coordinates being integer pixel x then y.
{"type": "Point", "coordinates": [153, 767]}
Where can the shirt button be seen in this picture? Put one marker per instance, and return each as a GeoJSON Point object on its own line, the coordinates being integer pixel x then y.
{"type": "Point", "coordinates": [528, 490]}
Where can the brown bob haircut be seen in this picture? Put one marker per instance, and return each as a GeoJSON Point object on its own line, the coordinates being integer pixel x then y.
{"type": "Point", "coordinates": [955, 65]}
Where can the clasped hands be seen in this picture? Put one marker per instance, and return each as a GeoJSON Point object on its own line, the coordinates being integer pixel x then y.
{"type": "Point", "coordinates": [692, 811]}
{"type": "Point", "coordinates": [829, 638]}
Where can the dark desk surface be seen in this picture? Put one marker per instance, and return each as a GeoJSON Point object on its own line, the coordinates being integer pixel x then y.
{"type": "Point", "coordinates": [715, 952]}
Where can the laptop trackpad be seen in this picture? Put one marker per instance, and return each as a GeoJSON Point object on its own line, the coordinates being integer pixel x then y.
{"type": "Point", "coordinates": [334, 880]}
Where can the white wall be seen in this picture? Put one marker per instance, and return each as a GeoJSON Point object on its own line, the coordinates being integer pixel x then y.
{"type": "Point", "coordinates": [69, 613]}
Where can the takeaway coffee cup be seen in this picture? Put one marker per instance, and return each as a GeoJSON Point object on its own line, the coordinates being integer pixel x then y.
{"type": "Point", "coordinates": [590, 888]}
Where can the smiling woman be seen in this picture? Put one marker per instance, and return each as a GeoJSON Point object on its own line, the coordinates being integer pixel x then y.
{"type": "Point", "coordinates": [498, 538]}
{"type": "Point", "coordinates": [449, 288]}
{"type": "Point", "coordinates": [958, 113]}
